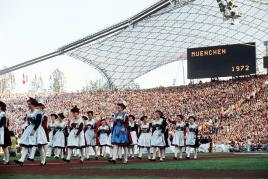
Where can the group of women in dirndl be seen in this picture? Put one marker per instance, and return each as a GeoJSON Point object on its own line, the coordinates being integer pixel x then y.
{"type": "Point", "coordinates": [123, 135]}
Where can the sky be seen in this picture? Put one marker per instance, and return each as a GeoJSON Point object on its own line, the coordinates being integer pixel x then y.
{"type": "Point", "coordinates": [31, 28]}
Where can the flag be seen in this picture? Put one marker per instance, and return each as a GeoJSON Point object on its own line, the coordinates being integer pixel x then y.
{"type": "Point", "coordinates": [23, 79]}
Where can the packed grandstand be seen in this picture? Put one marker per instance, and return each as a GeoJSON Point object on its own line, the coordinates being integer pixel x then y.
{"type": "Point", "coordinates": [232, 112]}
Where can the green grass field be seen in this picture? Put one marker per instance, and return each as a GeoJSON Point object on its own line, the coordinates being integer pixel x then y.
{"type": "Point", "coordinates": [258, 163]}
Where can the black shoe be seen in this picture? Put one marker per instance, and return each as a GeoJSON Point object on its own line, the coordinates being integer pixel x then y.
{"type": "Point", "coordinates": [57, 157]}
{"type": "Point", "coordinates": [139, 158]}
{"type": "Point", "coordinates": [120, 159]}
{"type": "Point", "coordinates": [96, 158]}
{"type": "Point", "coordinates": [65, 160]}
{"type": "Point", "coordinates": [88, 159]}
{"type": "Point", "coordinates": [30, 159]}
{"type": "Point", "coordinates": [188, 158]}
{"type": "Point", "coordinates": [19, 162]}
{"type": "Point", "coordinates": [175, 158]}
{"type": "Point", "coordinates": [113, 161]}
{"type": "Point", "coordinates": [153, 160]}
{"type": "Point", "coordinates": [42, 164]}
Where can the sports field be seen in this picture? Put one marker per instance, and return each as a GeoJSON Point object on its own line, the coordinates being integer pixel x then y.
{"type": "Point", "coordinates": [217, 165]}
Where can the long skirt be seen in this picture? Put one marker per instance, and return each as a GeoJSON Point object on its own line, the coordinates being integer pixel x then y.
{"type": "Point", "coordinates": [89, 136]}
{"type": "Point", "coordinates": [158, 139]}
{"type": "Point", "coordinates": [191, 139]}
{"type": "Point", "coordinates": [5, 139]}
{"type": "Point", "coordinates": [134, 138]}
{"type": "Point", "coordinates": [58, 140]}
{"type": "Point", "coordinates": [38, 138]}
{"type": "Point", "coordinates": [74, 141]}
{"type": "Point", "coordinates": [50, 136]}
{"type": "Point", "coordinates": [120, 137]}
{"type": "Point", "coordinates": [109, 141]}
{"type": "Point", "coordinates": [178, 139]}
{"type": "Point", "coordinates": [145, 140]}
{"type": "Point", "coordinates": [103, 139]}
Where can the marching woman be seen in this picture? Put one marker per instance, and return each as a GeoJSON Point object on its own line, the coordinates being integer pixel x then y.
{"type": "Point", "coordinates": [158, 139]}
{"type": "Point", "coordinates": [34, 134]}
{"type": "Point", "coordinates": [191, 137]}
{"type": "Point", "coordinates": [133, 133]}
{"type": "Point", "coordinates": [103, 133]}
{"type": "Point", "coordinates": [76, 138]}
{"type": "Point", "coordinates": [5, 139]}
{"type": "Point", "coordinates": [58, 141]}
{"type": "Point", "coordinates": [120, 134]}
{"type": "Point", "coordinates": [144, 137]}
{"type": "Point", "coordinates": [178, 138]}
{"type": "Point", "coordinates": [51, 130]}
{"type": "Point", "coordinates": [90, 134]}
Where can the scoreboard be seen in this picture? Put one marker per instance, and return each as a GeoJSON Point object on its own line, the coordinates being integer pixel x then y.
{"type": "Point", "coordinates": [221, 61]}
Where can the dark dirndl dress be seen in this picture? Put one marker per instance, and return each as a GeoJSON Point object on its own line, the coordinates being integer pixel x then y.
{"type": "Point", "coordinates": [6, 140]}
{"type": "Point", "coordinates": [121, 137]}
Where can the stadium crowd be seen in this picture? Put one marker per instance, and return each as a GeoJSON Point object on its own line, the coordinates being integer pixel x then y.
{"type": "Point", "coordinates": [232, 112]}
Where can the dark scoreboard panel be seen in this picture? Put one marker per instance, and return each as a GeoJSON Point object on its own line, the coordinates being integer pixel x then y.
{"type": "Point", "coordinates": [265, 62]}
{"type": "Point", "coordinates": [221, 61]}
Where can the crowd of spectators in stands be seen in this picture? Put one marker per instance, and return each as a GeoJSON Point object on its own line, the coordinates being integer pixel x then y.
{"type": "Point", "coordinates": [232, 112]}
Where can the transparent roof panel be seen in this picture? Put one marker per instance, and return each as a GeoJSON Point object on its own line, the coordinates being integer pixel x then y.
{"type": "Point", "coordinates": [164, 36]}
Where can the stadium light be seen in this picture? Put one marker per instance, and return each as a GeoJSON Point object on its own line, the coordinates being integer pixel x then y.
{"type": "Point", "coordinates": [229, 9]}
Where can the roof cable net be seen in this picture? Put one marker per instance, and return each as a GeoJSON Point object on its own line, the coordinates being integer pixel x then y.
{"type": "Point", "coordinates": [164, 36]}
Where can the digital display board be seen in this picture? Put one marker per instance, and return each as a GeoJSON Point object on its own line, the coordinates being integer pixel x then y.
{"type": "Point", "coordinates": [265, 62]}
{"type": "Point", "coordinates": [221, 61]}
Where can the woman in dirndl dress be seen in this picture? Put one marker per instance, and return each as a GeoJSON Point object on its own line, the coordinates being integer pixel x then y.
{"type": "Point", "coordinates": [178, 138]}
{"type": "Point", "coordinates": [133, 133]}
{"type": "Point", "coordinates": [76, 138]}
{"type": "Point", "coordinates": [51, 132]}
{"type": "Point", "coordinates": [158, 139]}
{"type": "Point", "coordinates": [120, 133]}
{"type": "Point", "coordinates": [90, 134]}
{"type": "Point", "coordinates": [145, 134]}
{"type": "Point", "coordinates": [103, 133]}
{"type": "Point", "coordinates": [191, 137]}
{"type": "Point", "coordinates": [58, 141]}
{"type": "Point", "coordinates": [34, 135]}
{"type": "Point", "coordinates": [5, 139]}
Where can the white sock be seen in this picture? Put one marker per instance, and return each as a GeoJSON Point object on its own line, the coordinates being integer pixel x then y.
{"type": "Point", "coordinates": [62, 153]}
{"type": "Point", "coordinates": [188, 151]}
{"type": "Point", "coordinates": [42, 155]}
{"type": "Point", "coordinates": [115, 152]}
{"type": "Point", "coordinates": [111, 152]}
{"type": "Point", "coordinates": [32, 153]}
{"type": "Point", "coordinates": [180, 151]}
{"type": "Point", "coordinates": [119, 152]}
{"type": "Point", "coordinates": [82, 154]}
{"type": "Point", "coordinates": [57, 152]}
{"type": "Point", "coordinates": [163, 153]}
{"type": "Point", "coordinates": [149, 153]}
{"type": "Point", "coordinates": [6, 154]}
{"type": "Point", "coordinates": [176, 152]}
{"type": "Point", "coordinates": [69, 153]}
{"type": "Point", "coordinates": [24, 152]}
{"type": "Point", "coordinates": [154, 153]}
{"type": "Point", "coordinates": [140, 152]}
{"type": "Point", "coordinates": [195, 153]}
{"type": "Point", "coordinates": [49, 151]}
{"type": "Point", "coordinates": [125, 154]}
